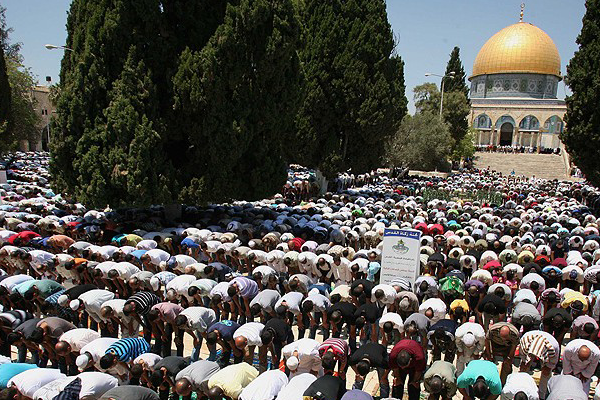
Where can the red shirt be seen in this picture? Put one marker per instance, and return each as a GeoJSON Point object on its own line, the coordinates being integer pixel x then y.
{"type": "Point", "coordinates": [296, 244]}
{"type": "Point", "coordinates": [417, 361]}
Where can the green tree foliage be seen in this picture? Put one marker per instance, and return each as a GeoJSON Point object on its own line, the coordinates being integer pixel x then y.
{"type": "Point", "coordinates": [423, 142]}
{"type": "Point", "coordinates": [18, 119]}
{"type": "Point", "coordinates": [581, 137]}
{"type": "Point", "coordinates": [458, 83]}
{"type": "Point", "coordinates": [455, 110]}
{"type": "Point", "coordinates": [237, 97]}
{"type": "Point", "coordinates": [5, 100]}
{"type": "Point", "coordinates": [456, 93]}
{"type": "Point", "coordinates": [466, 147]}
{"type": "Point", "coordinates": [163, 101]}
{"type": "Point", "coordinates": [354, 86]}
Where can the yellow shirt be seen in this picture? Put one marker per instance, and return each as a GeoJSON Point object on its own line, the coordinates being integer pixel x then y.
{"type": "Point", "coordinates": [233, 379]}
{"type": "Point", "coordinates": [571, 297]}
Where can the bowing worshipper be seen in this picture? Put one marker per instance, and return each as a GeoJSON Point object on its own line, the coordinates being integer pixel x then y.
{"type": "Point", "coordinates": [580, 359]}
{"type": "Point", "coordinates": [28, 382]}
{"type": "Point", "coordinates": [367, 357]}
{"type": "Point", "coordinates": [266, 386]}
{"type": "Point", "coordinates": [193, 377]}
{"type": "Point", "coordinates": [315, 307]}
{"type": "Point", "coordinates": [70, 343]}
{"type": "Point", "coordinates": [390, 326]}
{"type": "Point", "coordinates": [129, 392]}
{"type": "Point", "coordinates": [122, 352]}
{"type": "Point", "coordinates": [407, 360]}
{"type": "Point", "coordinates": [229, 382]}
{"type": "Point", "coordinates": [480, 380]}
{"type": "Point", "coordinates": [335, 351]}
{"type": "Point", "coordinates": [164, 372]}
{"type": "Point", "coordinates": [520, 386]}
{"type": "Point", "coordinates": [416, 327]}
{"type": "Point", "coordinates": [440, 380]}
{"type": "Point", "coordinates": [325, 387]}
{"type": "Point", "coordinates": [470, 344]}
{"type": "Point", "coordinates": [501, 342]}
{"type": "Point", "coordinates": [441, 335]}
{"type": "Point", "coordinates": [137, 307]}
{"type": "Point", "coordinates": [541, 347]}
{"type": "Point", "coordinates": [221, 333]}
{"type": "Point", "coordinates": [302, 356]}
{"type": "Point", "coordinates": [246, 338]}
{"type": "Point", "coordinates": [46, 334]}
{"type": "Point", "coordinates": [162, 317]}
{"type": "Point", "coordinates": [195, 321]}
{"type": "Point", "coordinates": [566, 387]}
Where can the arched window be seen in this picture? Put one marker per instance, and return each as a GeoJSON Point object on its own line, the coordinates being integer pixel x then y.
{"type": "Point", "coordinates": [554, 124]}
{"type": "Point", "coordinates": [529, 123]}
{"type": "Point", "coordinates": [482, 122]}
{"type": "Point", "coordinates": [504, 119]}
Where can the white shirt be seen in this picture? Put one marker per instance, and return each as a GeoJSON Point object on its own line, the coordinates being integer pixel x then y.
{"type": "Point", "coordinates": [157, 256]}
{"type": "Point", "coordinates": [147, 359]}
{"type": "Point", "coordinates": [394, 318]}
{"type": "Point", "coordinates": [181, 284]}
{"type": "Point", "coordinates": [296, 387]}
{"type": "Point", "coordinates": [266, 386]}
{"type": "Point", "coordinates": [10, 283]}
{"type": "Point", "coordinates": [389, 294]}
{"type": "Point", "coordinates": [93, 301]}
{"type": "Point", "coordinates": [105, 267]}
{"type": "Point", "coordinates": [79, 337]}
{"type": "Point", "coordinates": [220, 289]}
{"type": "Point", "coordinates": [293, 301]}
{"type": "Point", "coordinates": [437, 305]}
{"type": "Point", "coordinates": [251, 331]}
{"type": "Point", "coordinates": [308, 355]}
{"type": "Point", "coordinates": [147, 244]}
{"type": "Point", "coordinates": [98, 347]}
{"type": "Point", "coordinates": [520, 382]}
{"type": "Point", "coordinates": [28, 382]}
{"type": "Point", "coordinates": [125, 269]}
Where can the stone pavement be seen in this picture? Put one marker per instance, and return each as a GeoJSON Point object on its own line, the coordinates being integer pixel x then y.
{"type": "Point", "coordinates": [546, 166]}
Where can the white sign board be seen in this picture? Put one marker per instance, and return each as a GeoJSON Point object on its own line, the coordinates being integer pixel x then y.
{"type": "Point", "coordinates": [401, 255]}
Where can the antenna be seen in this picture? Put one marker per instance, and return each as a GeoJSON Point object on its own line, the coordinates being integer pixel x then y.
{"type": "Point", "coordinates": [522, 10]}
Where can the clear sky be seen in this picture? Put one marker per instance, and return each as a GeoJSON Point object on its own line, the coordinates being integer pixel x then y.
{"type": "Point", "coordinates": [427, 30]}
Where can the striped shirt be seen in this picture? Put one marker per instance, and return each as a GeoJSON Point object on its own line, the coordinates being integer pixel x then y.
{"type": "Point", "coordinates": [339, 347]}
{"type": "Point", "coordinates": [248, 288]}
{"type": "Point", "coordinates": [15, 318]}
{"type": "Point", "coordinates": [128, 349]}
{"type": "Point", "coordinates": [143, 302]}
{"type": "Point", "coordinates": [541, 345]}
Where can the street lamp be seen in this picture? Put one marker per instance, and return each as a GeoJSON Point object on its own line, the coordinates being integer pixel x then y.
{"type": "Point", "coordinates": [55, 47]}
{"type": "Point", "coordinates": [448, 75]}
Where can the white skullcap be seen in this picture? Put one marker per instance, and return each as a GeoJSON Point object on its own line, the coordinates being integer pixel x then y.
{"type": "Point", "coordinates": [82, 361]}
{"type": "Point", "coordinates": [292, 363]}
{"type": "Point", "coordinates": [74, 304]}
{"type": "Point", "coordinates": [469, 339]}
{"type": "Point", "coordinates": [62, 300]}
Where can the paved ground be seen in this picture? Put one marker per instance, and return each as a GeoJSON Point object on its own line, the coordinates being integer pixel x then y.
{"type": "Point", "coordinates": [546, 166]}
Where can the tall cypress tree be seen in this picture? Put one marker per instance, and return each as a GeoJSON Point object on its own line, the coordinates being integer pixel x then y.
{"type": "Point", "coordinates": [237, 98]}
{"type": "Point", "coordinates": [180, 99]}
{"type": "Point", "coordinates": [354, 90]}
{"type": "Point", "coordinates": [456, 93]}
{"type": "Point", "coordinates": [458, 83]}
{"type": "Point", "coordinates": [581, 136]}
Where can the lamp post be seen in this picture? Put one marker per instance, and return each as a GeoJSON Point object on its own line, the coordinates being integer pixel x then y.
{"type": "Point", "coordinates": [55, 47]}
{"type": "Point", "coordinates": [448, 75]}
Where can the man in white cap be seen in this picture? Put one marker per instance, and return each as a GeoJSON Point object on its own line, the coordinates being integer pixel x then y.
{"type": "Point", "coordinates": [470, 344]}
{"type": "Point", "coordinates": [302, 356]}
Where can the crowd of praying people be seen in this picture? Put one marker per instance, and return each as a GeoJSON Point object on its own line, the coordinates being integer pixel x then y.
{"type": "Point", "coordinates": [284, 298]}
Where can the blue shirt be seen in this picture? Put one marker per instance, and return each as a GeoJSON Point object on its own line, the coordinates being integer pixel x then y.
{"type": "Point", "coordinates": [225, 328]}
{"type": "Point", "coordinates": [127, 349]}
{"type": "Point", "coordinates": [9, 370]}
{"type": "Point", "coordinates": [484, 368]}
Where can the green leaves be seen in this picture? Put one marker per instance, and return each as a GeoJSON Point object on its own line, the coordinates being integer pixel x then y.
{"type": "Point", "coordinates": [354, 86]}
{"type": "Point", "coordinates": [176, 101]}
{"type": "Point", "coordinates": [581, 137]}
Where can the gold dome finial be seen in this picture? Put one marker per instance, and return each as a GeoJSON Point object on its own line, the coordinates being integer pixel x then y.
{"type": "Point", "coordinates": [522, 10]}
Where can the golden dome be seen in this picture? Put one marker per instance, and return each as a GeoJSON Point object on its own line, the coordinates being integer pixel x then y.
{"type": "Point", "coordinates": [518, 48]}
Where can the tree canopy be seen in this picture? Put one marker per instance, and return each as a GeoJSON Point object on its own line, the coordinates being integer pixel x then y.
{"type": "Point", "coordinates": [18, 119]}
{"type": "Point", "coordinates": [173, 101]}
{"type": "Point", "coordinates": [582, 137]}
{"type": "Point", "coordinates": [354, 86]}
{"type": "Point", "coordinates": [423, 142]}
